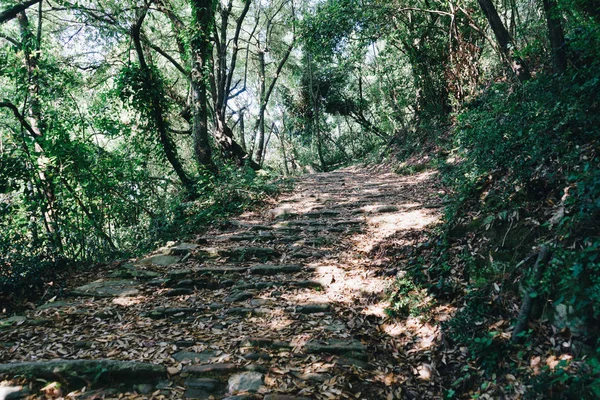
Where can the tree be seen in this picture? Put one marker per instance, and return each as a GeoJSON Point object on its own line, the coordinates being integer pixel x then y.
{"type": "Point", "coordinates": [507, 47]}
{"type": "Point", "coordinates": [556, 35]}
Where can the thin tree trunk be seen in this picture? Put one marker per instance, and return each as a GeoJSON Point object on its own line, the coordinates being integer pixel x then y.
{"type": "Point", "coordinates": [36, 126]}
{"type": "Point", "coordinates": [556, 35]}
{"type": "Point", "coordinates": [242, 131]}
{"type": "Point", "coordinates": [261, 117]}
{"type": "Point", "coordinates": [202, 20]}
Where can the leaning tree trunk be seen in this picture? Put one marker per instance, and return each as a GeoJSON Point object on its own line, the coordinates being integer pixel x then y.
{"type": "Point", "coordinates": [518, 66]}
{"type": "Point", "coordinates": [157, 112]}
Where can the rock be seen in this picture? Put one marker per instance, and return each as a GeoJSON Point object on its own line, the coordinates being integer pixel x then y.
{"type": "Point", "coordinates": [318, 241]}
{"type": "Point", "coordinates": [313, 308]}
{"type": "Point", "coordinates": [302, 254]}
{"type": "Point", "coordinates": [204, 356]}
{"type": "Point", "coordinates": [182, 249]}
{"type": "Point", "coordinates": [322, 213]}
{"type": "Point", "coordinates": [246, 382]}
{"type": "Point", "coordinates": [223, 270]}
{"type": "Point", "coordinates": [282, 213]}
{"type": "Point", "coordinates": [161, 259]}
{"type": "Point", "coordinates": [261, 228]}
{"type": "Point", "coordinates": [352, 362]}
{"type": "Point", "coordinates": [210, 369]}
{"type": "Point", "coordinates": [226, 283]}
{"type": "Point", "coordinates": [238, 296]}
{"type": "Point", "coordinates": [12, 321]}
{"type": "Point", "coordinates": [185, 343]}
{"type": "Point", "coordinates": [246, 311]}
{"type": "Point", "coordinates": [107, 288]}
{"type": "Point", "coordinates": [265, 236]}
{"type": "Point", "coordinates": [185, 283]}
{"type": "Point", "coordinates": [259, 302]}
{"type": "Point", "coordinates": [203, 388]}
{"type": "Point", "coordinates": [266, 343]}
{"type": "Point", "coordinates": [275, 269]}
{"type": "Point", "coordinates": [385, 209]}
{"type": "Point", "coordinates": [178, 292]}
{"type": "Point", "coordinates": [144, 388]}
{"type": "Point", "coordinates": [11, 392]}
{"type": "Point", "coordinates": [76, 370]}
{"type": "Point", "coordinates": [307, 284]}
{"type": "Point", "coordinates": [158, 282]}
{"type": "Point", "coordinates": [163, 312]}
{"type": "Point", "coordinates": [240, 238]}
{"type": "Point", "coordinates": [348, 222]}
{"type": "Point", "coordinates": [258, 356]}
{"type": "Point", "coordinates": [207, 252]}
{"type": "Point", "coordinates": [334, 346]}
{"type": "Point", "coordinates": [289, 239]}
{"type": "Point", "coordinates": [178, 274]}
{"type": "Point", "coordinates": [267, 285]}
{"type": "Point", "coordinates": [130, 271]}
{"type": "Point", "coordinates": [56, 304]}
{"type": "Point", "coordinates": [256, 368]}
{"type": "Point", "coordinates": [283, 397]}
{"type": "Point", "coordinates": [564, 317]}
{"type": "Point", "coordinates": [248, 253]}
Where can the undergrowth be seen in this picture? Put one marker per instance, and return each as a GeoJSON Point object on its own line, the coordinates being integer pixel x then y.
{"type": "Point", "coordinates": [28, 271]}
{"type": "Point", "coordinates": [523, 171]}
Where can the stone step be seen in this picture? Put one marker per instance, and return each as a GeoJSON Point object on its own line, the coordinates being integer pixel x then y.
{"type": "Point", "coordinates": [249, 253]}
{"type": "Point", "coordinates": [277, 269]}
{"type": "Point", "coordinates": [313, 308]}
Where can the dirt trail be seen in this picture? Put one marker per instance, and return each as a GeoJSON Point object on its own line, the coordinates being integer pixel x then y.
{"type": "Point", "coordinates": [288, 304]}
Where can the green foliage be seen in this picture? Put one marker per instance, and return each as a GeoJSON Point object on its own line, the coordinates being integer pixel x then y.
{"type": "Point", "coordinates": [407, 299]}
{"type": "Point", "coordinates": [143, 89]}
{"type": "Point", "coordinates": [229, 193]}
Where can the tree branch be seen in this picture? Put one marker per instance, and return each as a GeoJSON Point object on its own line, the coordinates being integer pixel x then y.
{"type": "Point", "coordinates": [12, 12]}
{"type": "Point", "coordinates": [18, 116]}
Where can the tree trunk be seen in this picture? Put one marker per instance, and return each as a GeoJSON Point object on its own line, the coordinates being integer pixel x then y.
{"type": "Point", "coordinates": [242, 131]}
{"type": "Point", "coordinates": [518, 66]}
{"type": "Point", "coordinates": [157, 111]}
{"type": "Point", "coordinates": [261, 117]}
{"type": "Point", "coordinates": [202, 21]}
{"type": "Point", "coordinates": [230, 148]}
{"type": "Point", "coordinates": [36, 126]}
{"type": "Point", "coordinates": [556, 35]}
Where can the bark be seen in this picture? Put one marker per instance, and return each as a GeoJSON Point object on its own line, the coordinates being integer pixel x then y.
{"type": "Point", "coordinates": [518, 66]}
{"type": "Point", "coordinates": [36, 126]}
{"type": "Point", "coordinates": [222, 79]}
{"type": "Point", "coordinates": [556, 36]}
{"type": "Point", "coordinates": [203, 19]}
{"type": "Point", "coordinates": [230, 148]}
{"type": "Point", "coordinates": [265, 92]}
{"type": "Point", "coordinates": [261, 117]}
{"type": "Point", "coordinates": [157, 111]}
{"type": "Point", "coordinates": [14, 11]}
{"type": "Point", "coordinates": [242, 131]}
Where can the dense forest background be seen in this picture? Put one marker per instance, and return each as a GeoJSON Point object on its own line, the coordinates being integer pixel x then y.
{"type": "Point", "coordinates": [124, 124]}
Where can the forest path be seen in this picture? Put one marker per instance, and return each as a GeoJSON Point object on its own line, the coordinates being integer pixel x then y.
{"type": "Point", "coordinates": [284, 304]}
